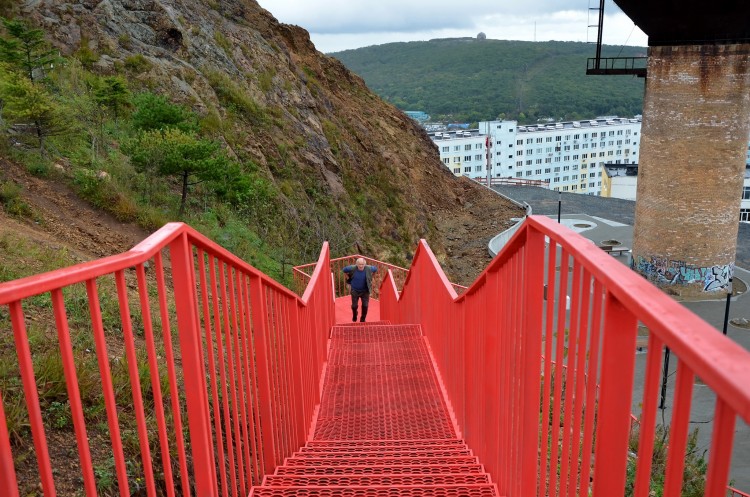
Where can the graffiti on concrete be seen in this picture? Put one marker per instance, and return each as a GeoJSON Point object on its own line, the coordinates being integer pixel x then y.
{"type": "Point", "coordinates": [664, 271]}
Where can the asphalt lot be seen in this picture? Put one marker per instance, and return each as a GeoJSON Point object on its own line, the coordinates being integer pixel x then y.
{"type": "Point", "coordinates": [543, 201]}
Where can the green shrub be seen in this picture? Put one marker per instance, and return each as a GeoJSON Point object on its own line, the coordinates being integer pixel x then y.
{"type": "Point", "coordinates": [10, 198]}
{"type": "Point", "coordinates": [137, 63]}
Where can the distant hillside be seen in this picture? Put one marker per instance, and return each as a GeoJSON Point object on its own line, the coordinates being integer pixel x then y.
{"type": "Point", "coordinates": [470, 80]}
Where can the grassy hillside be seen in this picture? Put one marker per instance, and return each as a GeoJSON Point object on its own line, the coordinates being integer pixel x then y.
{"type": "Point", "coordinates": [469, 80]}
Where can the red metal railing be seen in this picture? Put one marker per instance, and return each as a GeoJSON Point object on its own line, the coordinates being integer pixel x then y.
{"type": "Point", "coordinates": [242, 370]}
{"type": "Point", "coordinates": [733, 492]}
{"type": "Point", "coordinates": [302, 275]}
{"type": "Point", "coordinates": [487, 345]}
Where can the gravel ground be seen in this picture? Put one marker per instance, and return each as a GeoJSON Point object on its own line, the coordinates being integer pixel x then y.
{"type": "Point", "coordinates": [544, 202]}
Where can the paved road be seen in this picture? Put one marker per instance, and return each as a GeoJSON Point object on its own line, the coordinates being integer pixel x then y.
{"type": "Point", "coordinates": [543, 201]}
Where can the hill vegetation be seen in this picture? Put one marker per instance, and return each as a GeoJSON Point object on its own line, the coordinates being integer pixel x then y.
{"type": "Point", "coordinates": [470, 80]}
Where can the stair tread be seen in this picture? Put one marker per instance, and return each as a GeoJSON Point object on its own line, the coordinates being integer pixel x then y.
{"type": "Point", "coordinates": [366, 469]}
{"type": "Point", "coordinates": [378, 480]}
{"type": "Point", "coordinates": [476, 490]}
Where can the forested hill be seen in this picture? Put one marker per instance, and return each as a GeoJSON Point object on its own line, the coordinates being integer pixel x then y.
{"type": "Point", "coordinates": [471, 80]}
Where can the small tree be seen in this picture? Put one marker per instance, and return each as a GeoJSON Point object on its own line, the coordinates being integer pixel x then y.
{"type": "Point", "coordinates": [26, 50]}
{"type": "Point", "coordinates": [176, 153]}
{"type": "Point", "coordinates": [28, 105]}
{"type": "Point", "coordinates": [113, 93]}
{"type": "Point", "coordinates": [155, 112]}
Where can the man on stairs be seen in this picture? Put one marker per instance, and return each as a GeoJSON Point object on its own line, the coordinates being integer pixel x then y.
{"type": "Point", "coordinates": [359, 276]}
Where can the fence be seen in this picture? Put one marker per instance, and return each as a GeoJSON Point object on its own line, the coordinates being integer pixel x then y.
{"type": "Point", "coordinates": [208, 409]}
{"type": "Point", "coordinates": [487, 345]}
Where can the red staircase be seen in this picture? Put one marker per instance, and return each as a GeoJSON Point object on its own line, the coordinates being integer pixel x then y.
{"type": "Point", "coordinates": [383, 427]}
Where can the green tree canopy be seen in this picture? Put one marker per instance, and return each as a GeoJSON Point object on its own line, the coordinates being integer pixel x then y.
{"type": "Point", "coordinates": [28, 106]}
{"type": "Point", "coordinates": [112, 93]}
{"type": "Point", "coordinates": [155, 112]}
{"type": "Point", "coordinates": [26, 50]}
{"type": "Point", "coordinates": [173, 152]}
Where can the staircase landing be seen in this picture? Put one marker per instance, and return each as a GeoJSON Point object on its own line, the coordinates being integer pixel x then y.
{"type": "Point", "coordinates": [344, 310]}
{"type": "Point", "coordinates": [383, 428]}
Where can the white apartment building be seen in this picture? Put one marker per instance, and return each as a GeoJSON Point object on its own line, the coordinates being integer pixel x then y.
{"type": "Point", "coordinates": [569, 155]}
{"type": "Point", "coordinates": [745, 203]}
{"type": "Point", "coordinates": [463, 152]}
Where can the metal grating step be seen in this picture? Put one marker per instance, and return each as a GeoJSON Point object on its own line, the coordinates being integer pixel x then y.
{"type": "Point", "coordinates": [386, 461]}
{"type": "Point", "coordinates": [373, 480]}
{"type": "Point", "coordinates": [386, 443]}
{"type": "Point", "coordinates": [422, 469]}
{"type": "Point", "coordinates": [485, 490]}
{"type": "Point", "coordinates": [392, 450]}
{"type": "Point", "coordinates": [383, 454]}
{"type": "Point", "coordinates": [369, 334]}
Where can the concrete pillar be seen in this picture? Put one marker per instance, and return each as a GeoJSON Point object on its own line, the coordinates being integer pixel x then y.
{"type": "Point", "coordinates": [696, 121]}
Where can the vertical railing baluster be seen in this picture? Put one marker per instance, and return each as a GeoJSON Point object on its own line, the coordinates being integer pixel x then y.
{"type": "Point", "coordinates": [592, 372]}
{"type": "Point", "coordinates": [223, 438]}
{"type": "Point", "coordinates": [613, 423]}
{"type": "Point", "coordinates": [225, 357]}
{"type": "Point", "coordinates": [105, 374]}
{"type": "Point", "coordinates": [155, 384]}
{"type": "Point", "coordinates": [193, 370]}
{"type": "Point", "coordinates": [544, 456]}
{"type": "Point", "coordinates": [648, 417]}
{"type": "Point", "coordinates": [678, 432]}
{"type": "Point", "coordinates": [31, 394]}
{"type": "Point", "coordinates": [8, 481]}
{"type": "Point", "coordinates": [532, 342]}
{"type": "Point", "coordinates": [720, 451]}
{"type": "Point", "coordinates": [260, 332]}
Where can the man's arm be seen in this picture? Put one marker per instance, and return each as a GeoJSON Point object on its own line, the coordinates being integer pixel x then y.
{"type": "Point", "coordinates": [347, 269]}
{"type": "Point", "coordinates": [374, 269]}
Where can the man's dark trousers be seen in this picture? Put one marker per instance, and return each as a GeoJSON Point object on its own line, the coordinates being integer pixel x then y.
{"type": "Point", "coordinates": [365, 296]}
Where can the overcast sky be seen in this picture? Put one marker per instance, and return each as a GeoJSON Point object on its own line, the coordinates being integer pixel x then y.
{"type": "Point", "coordinates": [336, 25]}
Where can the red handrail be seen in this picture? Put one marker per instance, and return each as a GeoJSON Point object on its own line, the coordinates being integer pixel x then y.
{"type": "Point", "coordinates": [487, 344]}
{"type": "Point", "coordinates": [245, 373]}
{"type": "Point", "coordinates": [302, 276]}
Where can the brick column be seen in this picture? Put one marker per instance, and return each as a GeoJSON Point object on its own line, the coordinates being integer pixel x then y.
{"type": "Point", "coordinates": [696, 121]}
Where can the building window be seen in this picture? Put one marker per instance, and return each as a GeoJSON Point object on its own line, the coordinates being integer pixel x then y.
{"type": "Point", "coordinates": [611, 133]}
{"type": "Point", "coordinates": [529, 162]}
{"type": "Point", "coordinates": [547, 170]}
{"type": "Point", "coordinates": [538, 171]}
{"type": "Point", "coordinates": [520, 152]}
{"type": "Point", "coordinates": [479, 157]}
{"type": "Point", "coordinates": [529, 151]}
{"type": "Point", "coordinates": [499, 154]}
{"type": "Point", "coordinates": [591, 185]}
{"type": "Point", "coordinates": [518, 142]}
{"type": "Point", "coordinates": [529, 140]}
{"type": "Point", "coordinates": [467, 169]}
{"type": "Point", "coordinates": [478, 146]}
{"type": "Point", "coordinates": [745, 215]}
{"type": "Point", "coordinates": [566, 178]}
{"type": "Point", "coordinates": [457, 159]}
{"type": "Point", "coordinates": [539, 140]}
{"type": "Point", "coordinates": [574, 187]}
{"type": "Point", "coordinates": [457, 170]}
{"type": "Point", "coordinates": [575, 137]}
{"type": "Point", "coordinates": [519, 174]}
{"type": "Point", "coordinates": [555, 180]}
{"type": "Point", "coordinates": [446, 149]}
{"type": "Point", "coordinates": [566, 168]}
{"type": "Point", "coordinates": [467, 147]}
{"type": "Point", "coordinates": [558, 138]}
{"type": "Point", "coordinates": [565, 188]}
{"type": "Point", "coordinates": [446, 161]}
{"type": "Point", "coordinates": [510, 156]}
{"type": "Point", "coordinates": [519, 163]}
{"type": "Point", "coordinates": [548, 160]}
{"type": "Point", "coordinates": [499, 142]}
{"type": "Point", "coordinates": [574, 177]}
{"type": "Point", "coordinates": [528, 173]}
{"type": "Point", "coordinates": [478, 169]}
{"type": "Point", "coordinates": [457, 148]}
{"type": "Point", "coordinates": [557, 159]}
{"type": "Point", "coordinates": [592, 175]}
{"type": "Point", "coordinates": [575, 157]}
{"type": "Point", "coordinates": [539, 161]}
{"type": "Point", "coordinates": [548, 139]}
{"type": "Point", "coordinates": [746, 193]}
{"type": "Point", "coordinates": [557, 169]}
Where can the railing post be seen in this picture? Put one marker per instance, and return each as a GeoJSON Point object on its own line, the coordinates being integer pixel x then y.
{"type": "Point", "coordinates": [616, 392]}
{"type": "Point", "coordinates": [532, 345]}
{"type": "Point", "coordinates": [260, 330]}
{"type": "Point", "coordinates": [8, 482]}
{"type": "Point", "coordinates": [193, 369]}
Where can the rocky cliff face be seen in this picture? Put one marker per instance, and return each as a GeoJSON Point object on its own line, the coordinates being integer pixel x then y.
{"type": "Point", "coordinates": [349, 167]}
